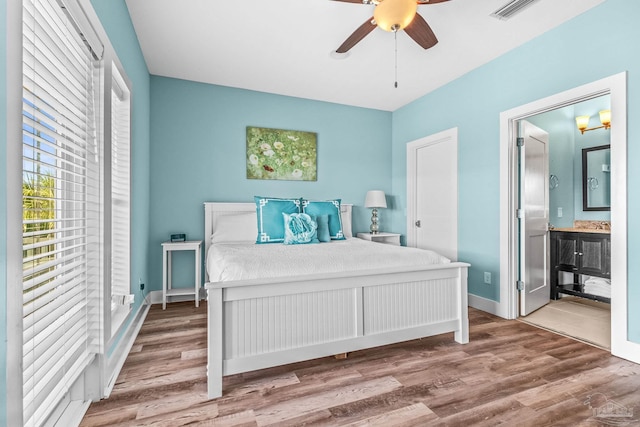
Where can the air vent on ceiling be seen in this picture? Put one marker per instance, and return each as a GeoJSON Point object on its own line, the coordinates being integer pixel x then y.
{"type": "Point", "coordinates": [511, 8]}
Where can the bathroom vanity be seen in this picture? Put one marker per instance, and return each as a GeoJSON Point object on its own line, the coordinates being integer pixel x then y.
{"type": "Point", "coordinates": [579, 252]}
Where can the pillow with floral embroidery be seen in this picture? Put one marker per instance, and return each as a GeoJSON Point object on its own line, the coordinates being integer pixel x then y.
{"type": "Point", "coordinates": [299, 229]}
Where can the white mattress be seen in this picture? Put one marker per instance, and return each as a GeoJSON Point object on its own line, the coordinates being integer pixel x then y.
{"type": "Point", "coordinates": [242, 261]}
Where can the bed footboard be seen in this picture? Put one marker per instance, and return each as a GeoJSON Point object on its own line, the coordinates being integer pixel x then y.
{"type": "Point", "coordinates": [259, 324]}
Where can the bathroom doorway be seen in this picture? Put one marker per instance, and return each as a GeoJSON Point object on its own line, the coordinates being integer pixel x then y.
{"type": "Point", "coordinates": [616, 86]}
{"type": "Point", "coordinates": [582, 308]}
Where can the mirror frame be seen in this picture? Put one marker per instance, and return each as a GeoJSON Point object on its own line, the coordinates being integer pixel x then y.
{"type": "Point", "coordinates": [585, 152]}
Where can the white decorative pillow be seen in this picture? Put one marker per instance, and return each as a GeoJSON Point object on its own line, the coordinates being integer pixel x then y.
{"type": "Point", "coordinates": [345, 215]}
{"type": "Point", "coordinates": [235, 228]}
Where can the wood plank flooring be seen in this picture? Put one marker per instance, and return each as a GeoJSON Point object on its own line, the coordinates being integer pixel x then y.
{"type": "Point", "coordinates": [510, 373]}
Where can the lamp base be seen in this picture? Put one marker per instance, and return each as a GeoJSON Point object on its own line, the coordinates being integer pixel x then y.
{"type": "Point", "coordinates": [374, 221]}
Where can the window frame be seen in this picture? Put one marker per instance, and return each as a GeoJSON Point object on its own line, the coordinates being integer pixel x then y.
{"type": "Point", "coordinates": [115, 75]}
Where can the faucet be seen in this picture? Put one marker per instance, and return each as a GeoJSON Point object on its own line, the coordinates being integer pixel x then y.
{"type": "Point", "coordinates": [604, 225]}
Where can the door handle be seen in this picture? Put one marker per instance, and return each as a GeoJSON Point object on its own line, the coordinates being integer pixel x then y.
{"type": "Point", "coordinates": [418, 223]}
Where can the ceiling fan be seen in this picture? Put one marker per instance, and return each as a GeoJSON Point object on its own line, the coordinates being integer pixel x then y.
{"type": "Point", "coordinates": [394, 15]}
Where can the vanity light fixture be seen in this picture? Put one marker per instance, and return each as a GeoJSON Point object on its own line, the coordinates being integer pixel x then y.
{"type": "Point", "coordinates": [583, 121]}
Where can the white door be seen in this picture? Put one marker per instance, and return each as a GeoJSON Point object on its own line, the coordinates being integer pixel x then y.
{"type": "Point", "coordinates": [534, 218]}
{"type": "Point", "coordinates": [432, 199]}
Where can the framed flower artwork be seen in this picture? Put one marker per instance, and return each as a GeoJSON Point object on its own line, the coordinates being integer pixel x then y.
{"type": "Point", "coordinates": [281, 154]}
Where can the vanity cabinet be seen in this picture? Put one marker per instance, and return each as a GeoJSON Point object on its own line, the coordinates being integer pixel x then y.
{"type": "Point", "coordinates": [579, 253]}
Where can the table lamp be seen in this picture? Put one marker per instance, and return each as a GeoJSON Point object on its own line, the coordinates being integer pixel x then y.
{"type": "Point", "coordinates": [375, 199]}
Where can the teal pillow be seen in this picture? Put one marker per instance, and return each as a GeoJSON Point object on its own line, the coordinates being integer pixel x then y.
{"type": "Point", "coordinates": [299, 229]}
{"type": "Point", "coordinates": [331, 208]}
{"type": "Point", "coordinates": [323, 228]}
{"type": "Point", "coordinates": [269, 211]}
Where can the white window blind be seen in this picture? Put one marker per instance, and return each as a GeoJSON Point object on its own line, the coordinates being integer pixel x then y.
{"type": "Point", "coordinates": [120, 197]}
{"type": "Point", "coordinates": [61, 207]}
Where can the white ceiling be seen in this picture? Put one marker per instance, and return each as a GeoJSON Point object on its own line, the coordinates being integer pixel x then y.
{"type": "Point", "coordinates": [284, 46]}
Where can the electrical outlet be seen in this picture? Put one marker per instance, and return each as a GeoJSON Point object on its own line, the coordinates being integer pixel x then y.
{"type": "Point", "coordinates": [487, 277]}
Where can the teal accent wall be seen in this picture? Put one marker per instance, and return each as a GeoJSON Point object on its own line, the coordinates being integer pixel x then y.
{"type": "Point", "coordinates": [3, 213]}
{"type": "Point", "coordinates": [114, 17]}
{"type": "Point", "coordinates": [199, 155]}
{"type": "Point", "coordinates": [592, 46]}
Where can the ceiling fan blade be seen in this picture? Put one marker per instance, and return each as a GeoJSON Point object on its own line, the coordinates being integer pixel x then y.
{"type": "Point", "coordinates": [353, 1]}
{"type": "Point", "coordinates": [421, 32]}
{"type": "Point", "coordinates": [423, 1]}
{"type": "Point", "coordinates": [356, 36]}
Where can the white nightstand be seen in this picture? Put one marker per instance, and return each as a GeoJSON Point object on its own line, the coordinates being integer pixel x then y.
{"type": "Point", "coordinates": [167, 290]}
{"type": "Point", "coordinates": [381, 237]}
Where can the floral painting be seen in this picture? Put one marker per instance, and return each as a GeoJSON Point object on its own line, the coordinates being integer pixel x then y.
{"type": "Point", "coordinates": [281, 154]}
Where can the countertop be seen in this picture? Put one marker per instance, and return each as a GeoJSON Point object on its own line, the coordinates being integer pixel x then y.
{"type": "Point", "coordinates": [581, 230]}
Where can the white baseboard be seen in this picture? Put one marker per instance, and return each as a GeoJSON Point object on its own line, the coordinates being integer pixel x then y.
{"type": "Point", "coordinates": [72, 414]}
{"type": "Point", "coordinates": [484, 304]}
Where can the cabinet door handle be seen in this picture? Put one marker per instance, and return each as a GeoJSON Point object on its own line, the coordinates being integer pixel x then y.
{"type": "Point", "coordinates": [580, 254]}
{"type": "Point", "coordinates": [418, 223]}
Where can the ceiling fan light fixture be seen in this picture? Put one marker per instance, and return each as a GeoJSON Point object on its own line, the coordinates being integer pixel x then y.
{"type": "Point", "coordinates": [394, 15]}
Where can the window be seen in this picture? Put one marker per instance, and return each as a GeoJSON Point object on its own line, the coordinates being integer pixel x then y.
{"type": "Point", "coordinates": [75, 161]}
{"type": "Point", "coordinates": [120, 200]}
{"type": "Point", "coordinates": [61, 205]}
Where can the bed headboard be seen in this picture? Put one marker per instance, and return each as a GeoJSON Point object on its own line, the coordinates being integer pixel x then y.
{"type": "Point", "coordinates": [213, 210]}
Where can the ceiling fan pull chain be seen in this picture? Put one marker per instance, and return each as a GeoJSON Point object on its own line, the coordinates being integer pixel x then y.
{"type": "Point", "coordinates": [395, 35]}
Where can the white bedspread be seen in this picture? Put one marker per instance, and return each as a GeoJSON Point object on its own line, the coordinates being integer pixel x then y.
{"type": "Point", "coordinates": [241, 261]}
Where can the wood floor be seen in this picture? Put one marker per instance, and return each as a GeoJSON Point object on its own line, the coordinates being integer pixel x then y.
{"type": "Point", "coordinates": [510, 373]}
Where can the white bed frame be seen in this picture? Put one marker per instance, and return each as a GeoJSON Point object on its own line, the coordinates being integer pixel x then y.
{"type": "Point", "coordinates": [256, 324]}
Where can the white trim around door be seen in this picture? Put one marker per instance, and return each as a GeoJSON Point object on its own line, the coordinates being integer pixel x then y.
{"type": "Point", "coordinates": [616, 86]}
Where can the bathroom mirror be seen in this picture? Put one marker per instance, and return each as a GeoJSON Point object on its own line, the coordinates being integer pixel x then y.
{"type": "Point", "coordinates": [596, 178]}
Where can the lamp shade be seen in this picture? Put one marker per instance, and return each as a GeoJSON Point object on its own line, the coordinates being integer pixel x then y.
{"type": "Point", "coordinates": [394, 15]}
{"type": "Point", "coordinates": [375, 199]}
{"type": "Point", "coordinates": [605, 117]}
{"type": "Point", "coordinates": [582, 122]}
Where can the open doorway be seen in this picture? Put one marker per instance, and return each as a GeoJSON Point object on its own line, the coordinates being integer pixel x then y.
{"type": "Point", "coordinates": [616, 86]}
{"type": "Point", "coordinates": [565, 230]}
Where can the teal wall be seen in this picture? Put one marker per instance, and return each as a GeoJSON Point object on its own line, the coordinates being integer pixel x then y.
{"type": "Point", "coordinates": [199, 154]}
{"type": "Point", "coordinates": [592, 46]}
{"type": "Point", "coordinates": [115, 19]}
{"type": "Point", "coordinates": [3, 213]}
